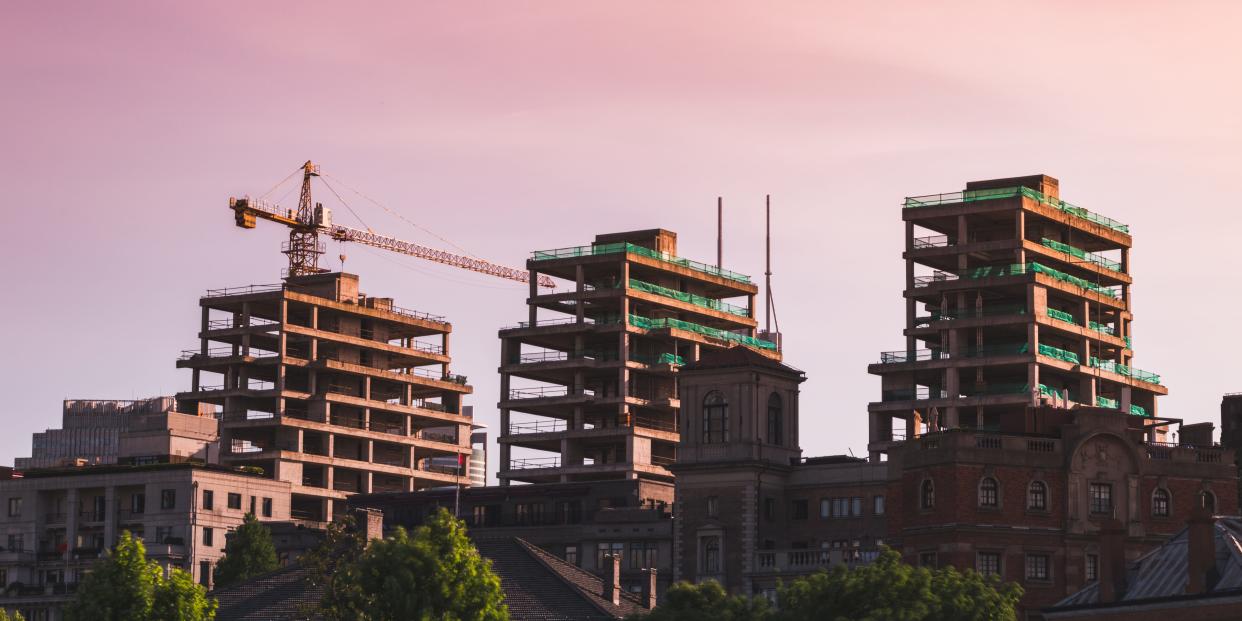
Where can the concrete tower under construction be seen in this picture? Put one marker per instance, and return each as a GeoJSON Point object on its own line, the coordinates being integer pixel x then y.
{"type": "Point", "coordinates": [589, 388]}
{"type": "Point", "coordinates": [1014, 299]}
{"type": "Point", "coordinates": [335, 391]}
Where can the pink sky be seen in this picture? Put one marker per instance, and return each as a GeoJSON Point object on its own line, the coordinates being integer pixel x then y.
{"type": "Point", "coordinates": [518, 126]}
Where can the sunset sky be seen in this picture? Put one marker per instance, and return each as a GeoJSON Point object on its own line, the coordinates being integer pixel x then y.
{"type": "Point", "coordinates": [508, 127]}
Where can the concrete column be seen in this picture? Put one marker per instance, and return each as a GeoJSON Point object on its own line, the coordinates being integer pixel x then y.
{"type": "Point", "coordinates": [110, 511]}
{"type": "Point", "coordinates": [245, 343]}
{"type": "Point", "coordinates": [366, 387]}
{"type": "Point", "coordinates": [367, 481]}
{"type": "Point", "coordinates": [72, 507]}
{"type": "Point", "coordinates": [534, 292]}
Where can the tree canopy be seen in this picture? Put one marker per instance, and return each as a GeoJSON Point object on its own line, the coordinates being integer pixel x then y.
{"type": "Point", "coordinates": [248, 553]}
{"type": "Point", "coordinates": [434, 573]}
{"type": "Point", "coordinates": [11, 616]}
{"type": "Point", "coordinates": [884, 590]}
{"type": "Point", "coordinates": [125, 586]}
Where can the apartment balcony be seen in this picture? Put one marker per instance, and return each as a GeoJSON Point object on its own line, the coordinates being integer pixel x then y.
{"type": "Point", "coordinates": [808, 561]}
{"type": "Point", "coordinates": [551, 469]}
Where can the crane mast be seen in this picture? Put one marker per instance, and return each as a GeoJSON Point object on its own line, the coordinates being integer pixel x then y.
{"type": "Point", "coordinates": [305, 226]}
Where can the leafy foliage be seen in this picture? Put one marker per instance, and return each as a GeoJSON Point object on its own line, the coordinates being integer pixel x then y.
{"type": "Point", "coordinates": [885, 590]}
{"type": "Point", "coordinates": [11, 616]}
{"type": "Point", "coordinates": [248, 553]}
{"type": "Point", "coordinates": [332, 566]}
{"type": "Point", "coordinates": [125, 586]}
{"type": "Point", "coordinates": [433, 574]}
{"type": "Point", "coordinates": [706, 602]}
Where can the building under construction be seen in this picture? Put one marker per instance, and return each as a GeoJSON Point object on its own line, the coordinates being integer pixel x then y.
{"type": "Point", "coordinates": [588, 387]}
{"type": "Point", "coordinates": [329, 389]}
{"type": "Point", "coordinates": [1014, 298]}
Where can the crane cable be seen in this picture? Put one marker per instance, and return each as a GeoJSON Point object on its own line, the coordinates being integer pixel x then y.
{"type": "Point", "coordinates": [351, 209]}
{"type": "Point", "coordinates": [398, 215]}
{"type": "Point", "coordinates": [282, 182]}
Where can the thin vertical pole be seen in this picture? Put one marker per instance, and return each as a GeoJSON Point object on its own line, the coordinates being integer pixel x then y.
{"type": "Point", "coordinates": [767, 272]}
{"type": "Point", "coordinates": [719, 231]}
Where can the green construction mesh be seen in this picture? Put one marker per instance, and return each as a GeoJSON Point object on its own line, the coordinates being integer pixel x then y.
{"type": "Point", "coordinates": [656, 324]}
{"type": "Point", "coordinates": [598, 249]}
{"type": "Point", "coordinates": [968, 196]}
{"type": "Point", "coordinates": [1058, 353]}
{"type": "Point", "coordinates": [1105, 402]}
{"type": "Point", "coordinates": [1138, 410]}
{"type": "Point", "coordinates": [1114, 367]}
{"type": "Point", "coordinates": [1061, 315]}
{"type": "Point", "coordinates": [697, 300]}
{"type": "Point", "coordinates": [1082, 254]}
{"type": "Point", "coordinates": [1101, 327]}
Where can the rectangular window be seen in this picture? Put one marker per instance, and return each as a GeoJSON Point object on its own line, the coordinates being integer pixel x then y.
{"type": "Point", "coordinates": [138, 503]}
{"type": "Point", "coordinates": [988, 563]}
{"type": "Point", "coordinates": [1101, 498]}
{"type": "Point", "coordinates": [877, 505]}
{"type": "Point", "coordinates": [168, 499]}
{"type": "Point", "coordinates": [15, 507]}
{"type": "Point", "coordinates": [4, 577]}
{"type": "Point", "coordinates": [253, 507]}
{"type": "Point", "coordinates": [267, 507]}
{"type": "Point", "coordinates": [209, 536]}
{"type": "Point", "coordinates": [643, 554]}
{"type": "Point", "coordinates": [234, 501]}
{"type": "Point", "coordinates": [15, 544]}
{"type": "Point", "coordinates": [478, 515]}
{"type": "Point", "coordinates": [711, 555]}
{"type": "Point", "coordinates": [571, 555]}
{"type": "Point", "coordinates": [800, 509]}
{"type": "Point", "coordinates": [204, 573]}
{"type": "Point", "coordinates": [769, 509]}
{"type": "Point", "coordinates": [1093, 567]}
{"type": "Point", "coordinates": [603, 550]}
{"type": "Point", "coordinates": [1037, 566]}
{"type": "Point", "coordinates": [163, 534]}
{"type": "Point", "coordinates": [824, 508]}
{"type": "Point", "coordinates": [209, 500]}
{"type": "Point", "coordinates": [856, 506]}
{"type": "Point", "coordinates": [713, 506]}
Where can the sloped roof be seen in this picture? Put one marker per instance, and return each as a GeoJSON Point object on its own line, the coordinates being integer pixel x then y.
{"type": "Point", "coordinates": [539, 586]}
{"type": "Point", "coordinates": [1162, 572]}
{"type": "Point", "coordinates": [282, 595]}
{"type": "Point", "coordinates": [737, 356]}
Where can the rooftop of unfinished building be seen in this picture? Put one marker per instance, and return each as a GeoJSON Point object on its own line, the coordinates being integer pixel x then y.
{"type": "Point", "coordinates": [1048, 186]}
{"type": "Point", "coordinates": [660, 240]}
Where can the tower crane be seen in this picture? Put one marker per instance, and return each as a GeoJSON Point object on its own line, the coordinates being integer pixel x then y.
{"type": "Point", "coordinates": [307, 224]}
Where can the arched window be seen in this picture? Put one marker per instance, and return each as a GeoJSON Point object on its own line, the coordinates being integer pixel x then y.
{"type": "Point", "coordinates": [927, 494]}
{"type": "Point", "coordinates": [711, 555]}
{"type": "Point", "coordinates": [1160, 503]}
{"type": "Point", "coordinates": [1037, 496]}
{"type": "Point", "coordinates": [1209, 501]}
{"type": "Point", "coordinates": [989, 492]}
{"type": "Point", "coordinates": [715, 418]}
{"type": "Point", "coordinates": [776, 427]}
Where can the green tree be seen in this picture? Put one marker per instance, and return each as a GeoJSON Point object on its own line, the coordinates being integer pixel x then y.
{"type": "Point", "coordinates": [120, 587]}
{"type": "Point", "coordinates": [11, 616]}
{"type": "Point", "coordinates": [890, 590]}
{"type": "Point", "coordinates": [248, 553]}
{"type": "Point", "coordinates": [178, 598]}
{"type": "Point", "coordinates": [125, 586]}
{"type": "Point", "coordinates": [707, 601]}
{"type": "Point", "coordinates": [332, 566]}
{"type": "Point", "coordinates": [433, 574]}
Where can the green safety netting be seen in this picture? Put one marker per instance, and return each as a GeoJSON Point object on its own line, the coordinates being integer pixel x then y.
{"type": "Point", "coordinates": [655, 324]}
{"type": "Point", "coordinates": [658, 359]}
{"type": "Point", "coordinates": [996, 350]}
{"type": "Point", "coordinates": [597, 249]}
{"type": "Point", "coordinates": [1121, 369]}
{"type": "Point", "coordinates": [1101, 327]}
{"type": "Point", "coordinates": [1105, 402]}
{"type": "Point", "coordinates": [1058, 353]}
{"type": "Point", "coordinates": [968, 196]}
{"type": "Point", "coordinates": [1138, 410]}
{"type": "Point", "coordinates": [697, 300]}
{"type": "Point", "coordinates": [1061, 315]}
{"type": "Point", "coordinates": [1039, 268]}
{"type": "Point", "coordinates": [1128, 344]}
{"type": "Point", "coordinates": [1082, 254]}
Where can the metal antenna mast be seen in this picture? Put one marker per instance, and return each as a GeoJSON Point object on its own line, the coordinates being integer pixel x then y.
{"type": "Point", "coordinates": [303, 248]}
{"type": "Point", "coordinates": [719, 231]}
{"type": "Point", "coordinates": [767, 264]}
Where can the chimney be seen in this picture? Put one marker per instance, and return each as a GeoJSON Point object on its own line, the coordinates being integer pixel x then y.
{"type": "Point", "coordinates": [1200, 551]}
{"type": "Point", "coordinates": [1112, 561]}
{"type": "Point", "coordinates": [649, 587]}
{"type": "Point", "coordinates": [370, 521]}
{"type": "Point", "coordinates": [612, 581]}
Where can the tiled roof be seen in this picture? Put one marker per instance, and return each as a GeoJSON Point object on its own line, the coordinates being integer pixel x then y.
{"type": "Point", "coordinates": [282, 595]}
{"type": "Point", "coordinates": [539, 586]}
{"type": "Point", "coordinates": [1162, 572]}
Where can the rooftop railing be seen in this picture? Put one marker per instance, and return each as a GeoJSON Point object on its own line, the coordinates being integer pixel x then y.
{"type": "Point", "coordinates": [224, 352]}
{"type": "Point", "coordinates": [537, 426]}
{"type": "Point", "coordinates": [542, 392]}
{"type": "Point", "coordinates": [971, 313]}
{"type": "Point", "coordinates": [932, 241]}
{"type": "Point", "coordinates": [656, 324]}
{"type": "Point", "coordinates": [900, 356]}
{"type": "Point", "coordinates": [529, 463]}
{"type": "Point", "coordinates": [691, 298]}
{"type": "Point", "coordinates": [216, 293]}
{"type": "Point", "coordinates": [625, 247]}
{"type": "Point", "coordinates": [970, 196]}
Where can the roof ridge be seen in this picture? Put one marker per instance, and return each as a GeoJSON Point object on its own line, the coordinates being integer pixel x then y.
{"type": "Point", "coordinates": [547, 559]}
